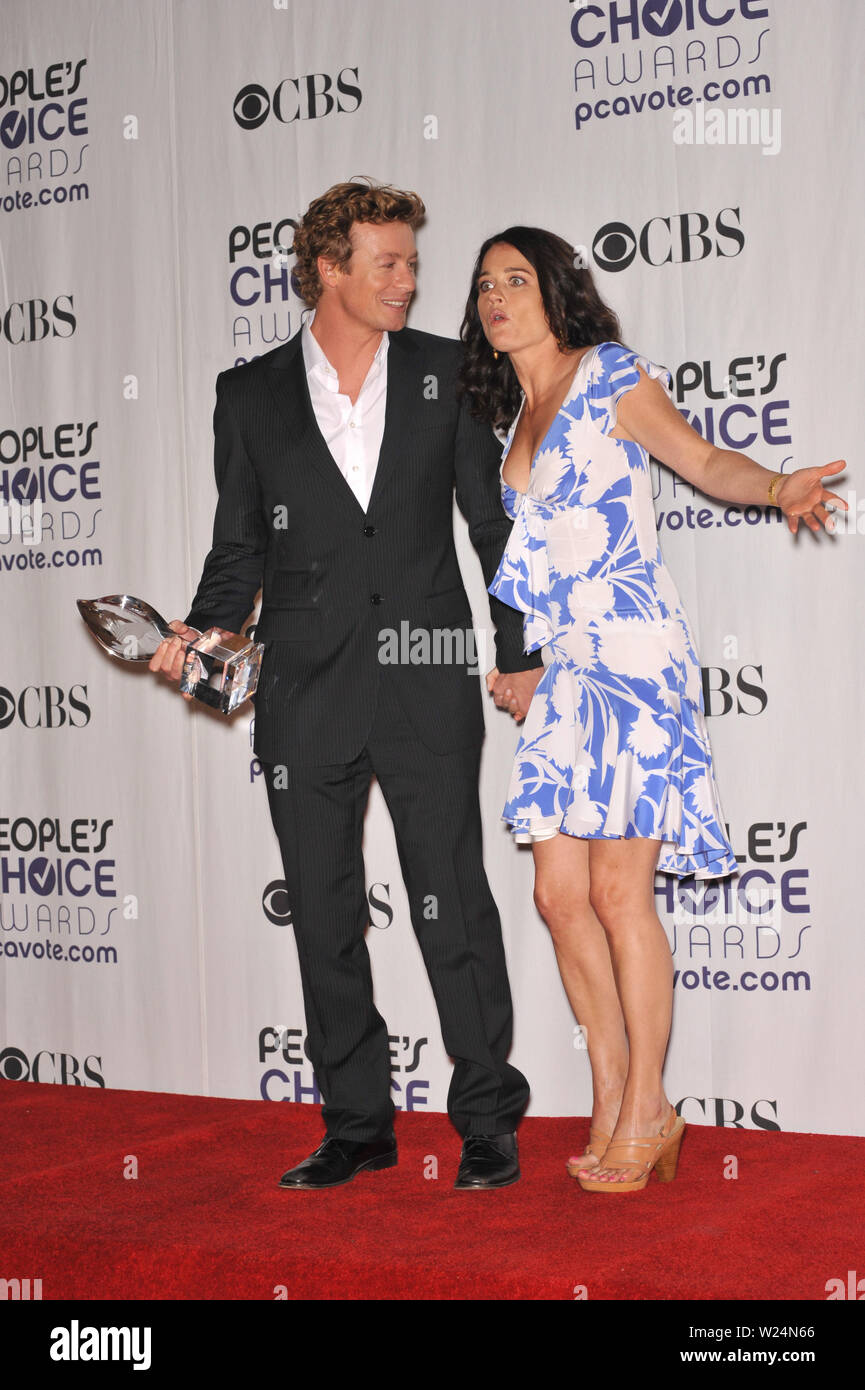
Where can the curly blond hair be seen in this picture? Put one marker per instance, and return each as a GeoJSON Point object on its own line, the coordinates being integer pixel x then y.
{"type": "Point", "coordinates": [325, 226]}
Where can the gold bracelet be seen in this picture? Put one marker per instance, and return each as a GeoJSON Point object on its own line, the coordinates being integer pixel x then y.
{"type": "Point", "coordinates": [772, 487]}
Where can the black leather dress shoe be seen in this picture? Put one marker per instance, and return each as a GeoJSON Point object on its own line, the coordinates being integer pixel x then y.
{"type": "Point", "coordinates": [488, 1161]}
{"type": "Point", "coordinates": [337, 1161]}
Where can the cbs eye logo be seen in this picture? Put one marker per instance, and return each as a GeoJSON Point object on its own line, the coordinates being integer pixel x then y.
{"type": "Point", "coordinates": [251, 106]}
{"type": "Point", "coordinates": [615, 246]}
{"type": "Point", "coordinates": [14, 1065]}
{"type": "Point", "coordinates": [275, 904]}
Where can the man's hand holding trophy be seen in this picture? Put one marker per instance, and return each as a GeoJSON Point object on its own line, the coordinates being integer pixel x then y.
{"type": "Point", "coordinates": [218, 668]}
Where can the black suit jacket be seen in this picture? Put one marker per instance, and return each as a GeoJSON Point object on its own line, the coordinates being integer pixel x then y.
{"type": "Point", "coordinates": [334, 578]}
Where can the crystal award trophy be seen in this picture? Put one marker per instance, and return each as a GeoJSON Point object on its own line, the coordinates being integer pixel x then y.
{"type": "Point", "coordinates": [221, 669]}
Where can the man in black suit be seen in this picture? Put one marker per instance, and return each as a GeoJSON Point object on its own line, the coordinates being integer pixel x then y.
{"type": "Point", "coordinates": [336, 456]}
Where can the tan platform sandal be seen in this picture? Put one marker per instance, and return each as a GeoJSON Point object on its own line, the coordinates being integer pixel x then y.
{"type": "Point", "coordinates": [597, 1146]}
{"type": "Point", "coordinates": [660, 1153]}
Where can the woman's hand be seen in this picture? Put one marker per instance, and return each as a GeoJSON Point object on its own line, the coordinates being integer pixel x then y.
{"type": "Point", "coordinates": [513, 691]}
{"type": "Point", "coordinates": [502, 698]}
{"type": "Point", "coordinates": [801, 495]}
{"type": "Point", "coordinates": [647, 414]}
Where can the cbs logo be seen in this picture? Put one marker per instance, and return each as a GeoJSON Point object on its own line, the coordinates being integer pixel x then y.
{"type": "Point", "coordinates": [277, 909]}
{"type": "Point", "coordinates": [61, 1068]}
{"type": "Point", "coordinates": [678, 239]}
{"type": "Point", "coordinates": [297, 99]}
{"type": "Point", "coordinates": [45, 707]}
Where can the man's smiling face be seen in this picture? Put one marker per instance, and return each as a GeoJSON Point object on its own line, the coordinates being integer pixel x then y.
{"type": "Point", "coordinates": [375, 288]}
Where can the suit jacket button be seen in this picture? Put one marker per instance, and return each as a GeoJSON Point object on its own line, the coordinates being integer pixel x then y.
{"type": "Point", "coordinates": [375, 598]}
{"type": "Point", "coordinates": [369, 530]}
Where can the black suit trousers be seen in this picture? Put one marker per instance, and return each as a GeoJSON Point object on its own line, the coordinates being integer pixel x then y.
{"type": "Point", "coordinates": [318, 815]}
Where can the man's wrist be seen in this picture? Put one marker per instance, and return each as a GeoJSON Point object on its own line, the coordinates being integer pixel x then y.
{"type": "Point", "coordinates": [511, 665]}
{"type": "Point", "coordinates": [521, 670]}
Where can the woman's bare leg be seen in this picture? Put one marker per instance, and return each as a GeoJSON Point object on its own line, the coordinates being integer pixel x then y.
{"type": "Point", "coordinates": [621, 892]}
{"type": "Point", "coordinates": [586, 968]}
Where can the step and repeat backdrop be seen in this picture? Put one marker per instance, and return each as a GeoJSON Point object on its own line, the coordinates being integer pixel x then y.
{"type": "Point", "coordinates": [154, 156]}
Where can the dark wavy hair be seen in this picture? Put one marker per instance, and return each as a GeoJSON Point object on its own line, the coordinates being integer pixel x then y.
{"type": "Point", "coordinates": [577, 316]}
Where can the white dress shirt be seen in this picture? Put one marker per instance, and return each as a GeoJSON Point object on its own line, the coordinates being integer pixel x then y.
{"type": "Point", "coordinates": [352, 433]}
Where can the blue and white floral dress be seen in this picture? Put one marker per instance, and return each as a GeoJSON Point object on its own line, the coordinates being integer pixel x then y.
{"type": "Point", "coordinates": [615, 743]}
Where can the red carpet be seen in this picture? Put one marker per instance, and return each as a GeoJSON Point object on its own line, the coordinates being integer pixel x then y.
{"type": "Point", "coordinates": [204, 1219]}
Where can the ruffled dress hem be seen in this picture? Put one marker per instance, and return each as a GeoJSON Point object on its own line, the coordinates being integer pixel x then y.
{"type": "Point", "coordinates": [672, 859]}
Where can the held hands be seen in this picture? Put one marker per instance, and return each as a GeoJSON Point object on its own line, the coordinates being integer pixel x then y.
{"type": "Point", "coordinates": [802, 495]}
{"type": "Point", "coordinates": [513, 691]}
{"type": "Point", "coordinates": [170, 654]}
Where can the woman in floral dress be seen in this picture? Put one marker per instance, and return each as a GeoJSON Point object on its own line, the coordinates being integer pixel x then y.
{"type": "Point", "coordinates": [613, 776]}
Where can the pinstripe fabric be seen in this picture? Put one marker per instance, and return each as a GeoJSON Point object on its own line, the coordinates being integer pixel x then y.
{"type": "Point", "coordinates": [332, 576]}
{"type": "Point", "coordinates": [433, 801]}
